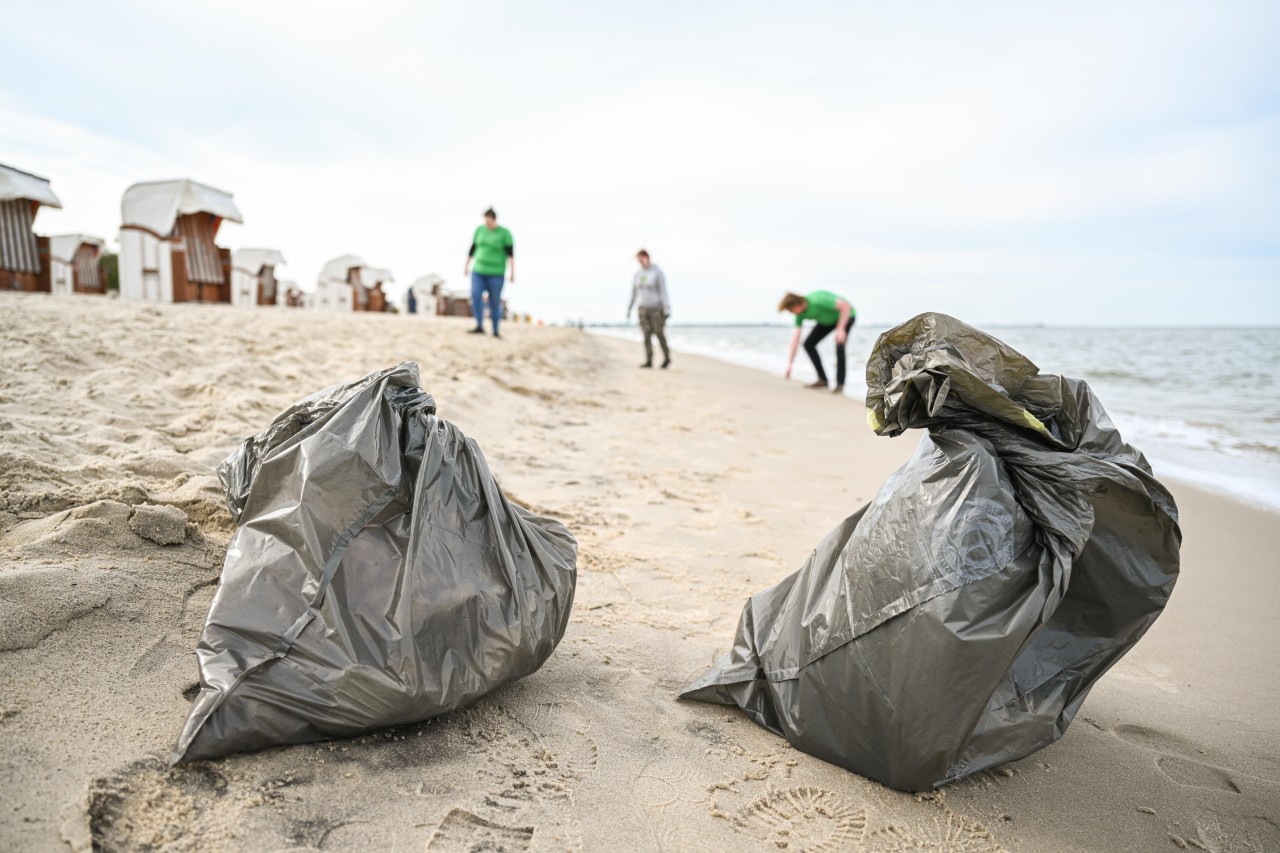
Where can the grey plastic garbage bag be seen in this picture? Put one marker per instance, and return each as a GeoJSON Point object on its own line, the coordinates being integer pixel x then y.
{"type": "Point", "coordinates": [959, 620]}
{"type": "Point", "coordinates": [377, 575]}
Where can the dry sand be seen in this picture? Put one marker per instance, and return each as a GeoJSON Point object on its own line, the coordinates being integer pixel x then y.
{"type": "Point", "coordinates": [689, 489]}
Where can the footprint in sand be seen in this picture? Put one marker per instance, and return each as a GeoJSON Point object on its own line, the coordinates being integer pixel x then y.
{"type": "Point", "coordinates": [1174, 759]}
{"type": "Point", "coordinates": [803, 818]}
{"type": "Point", "coordinates": [1253, 835]}
{"type": "Point", "coordinates": [524, 785]}
{"type": "Point", "coordinates": [674, 802]}
{"type": "Point", "coordinates": [652, 789]}
{"type": "Point", "coordinates": [948, 831]}
{"type": "Point", "coordinates": [462, 830]}
{"type": "Point", "coordinates": [146, 806]}
{"type": "Point", "coordinates": [1190, 773]}
{"type": "Point", "coordinates": [565, 729]}
{"type": "Point", "coordinates": [758, 799]}
{"type": "Point", "coordinates": [323, 834]}
{"type": "Point", "coordinates": [175, 644]}
{"type": "Point", "coordinates": [157, 655]}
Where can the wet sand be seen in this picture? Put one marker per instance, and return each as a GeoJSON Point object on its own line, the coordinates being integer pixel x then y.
{"type": "Point", "coordinates": [688, 489]}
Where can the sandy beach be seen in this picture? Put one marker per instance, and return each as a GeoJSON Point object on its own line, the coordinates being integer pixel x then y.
{"type": "Point", "coordinates": [688, 490]}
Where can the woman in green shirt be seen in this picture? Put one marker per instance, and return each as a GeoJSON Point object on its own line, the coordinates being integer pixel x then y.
{"type": "Point", "coordinates": [492, 247]}
{"type": "Point", "coordinates": [829, 313]}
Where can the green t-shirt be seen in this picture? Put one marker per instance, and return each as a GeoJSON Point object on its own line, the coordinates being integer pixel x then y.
{"type": "Point", "coordinates": [491, 250]}
{"type": "Point", "coordinates": [822, 308]}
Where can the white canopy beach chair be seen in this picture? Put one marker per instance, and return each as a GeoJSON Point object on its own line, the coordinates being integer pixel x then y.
{"type": "Point", "coordinates": [167, 248]}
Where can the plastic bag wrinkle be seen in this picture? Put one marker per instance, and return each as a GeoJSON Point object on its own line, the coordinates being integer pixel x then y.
{"type": "Point", "coordinates": [959, 620]}
{"type": "Point", "coordinates": [377, 575]}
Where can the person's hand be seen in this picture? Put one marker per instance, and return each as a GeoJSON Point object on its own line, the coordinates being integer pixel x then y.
{"type": "Point", "coordinates": [466, 271]}
{"type": "Point", "coordinates": [512, 280]}
{"type": "Point", "coordinates": [841, 336]}
{"type": "Point", "coordinates": [786, 374]}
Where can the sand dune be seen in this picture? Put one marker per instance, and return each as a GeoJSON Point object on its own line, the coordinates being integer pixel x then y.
{"type": "Point", "coordinates": [688, 489]}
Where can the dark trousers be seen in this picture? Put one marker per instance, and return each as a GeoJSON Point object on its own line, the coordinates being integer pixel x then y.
{"type": "Point", "coordinates": [653, 323]}
{"type": "Point", "coordinates": [820, 331]}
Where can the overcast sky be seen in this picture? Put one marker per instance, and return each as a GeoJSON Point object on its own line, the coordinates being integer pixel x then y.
{"type": "Point", "coordinates": [1113, 162]}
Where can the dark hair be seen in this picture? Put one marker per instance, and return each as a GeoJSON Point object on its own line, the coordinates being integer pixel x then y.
{"type": "Point", "coordinates": [491, 212]}
{"type": "Point", "coordinates": [642, 254]}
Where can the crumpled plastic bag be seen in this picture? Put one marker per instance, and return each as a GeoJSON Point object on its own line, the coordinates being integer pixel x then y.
{"type": "Point", "coordinates": [377, 575]}
{"type": "Point", "coordinates": [959, 620]}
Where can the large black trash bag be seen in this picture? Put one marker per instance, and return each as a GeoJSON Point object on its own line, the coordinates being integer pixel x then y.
{"type": "Point", "coordinates": [377, 575]}
{"type": "Point", "coordinates": [959, 620]}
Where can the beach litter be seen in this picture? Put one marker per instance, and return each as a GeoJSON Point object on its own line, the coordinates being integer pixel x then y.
{"type": "Point", "coordinates": [959, 620]}
{"type": "Point", "coordinates": [377, 575]}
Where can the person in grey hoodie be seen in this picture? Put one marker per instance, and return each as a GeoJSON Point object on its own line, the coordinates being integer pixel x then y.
{"type": "Point", "coordinates": [649, 293]}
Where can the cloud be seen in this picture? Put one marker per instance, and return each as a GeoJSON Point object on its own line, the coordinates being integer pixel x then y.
{"type": "Point", "coordinates": [1072, 165]}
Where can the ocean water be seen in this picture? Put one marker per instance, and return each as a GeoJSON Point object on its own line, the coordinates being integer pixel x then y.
{"type": "Point", "coordinates": [1202, 404]}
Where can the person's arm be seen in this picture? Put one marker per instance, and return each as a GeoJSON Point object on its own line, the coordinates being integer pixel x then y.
{"type": "Point", "coordinates": [635, 289]}
{"type": "Point", "coordinates": [845, 310]}
{"type": "Point", "coordinates": [511, 257]}
{"type": "Point", "coordinates": [791, 353]}
{"type": "Point", "coordinates": [662, 291]}
{"type": "Point", "coordinates": [471, 253]}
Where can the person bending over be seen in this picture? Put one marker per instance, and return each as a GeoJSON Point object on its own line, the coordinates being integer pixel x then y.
{"type": "Point", "coordinates": [649, 289]}
{"type": "Point", "coordinates": [492, 247]}
{"type": "Point", "coordinates": [829, 313]}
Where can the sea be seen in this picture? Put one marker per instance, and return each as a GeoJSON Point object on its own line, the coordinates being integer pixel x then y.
{"type": "Point", "coordinates": [1203, 404]}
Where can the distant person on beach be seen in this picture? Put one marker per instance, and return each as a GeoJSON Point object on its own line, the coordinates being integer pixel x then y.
{"type": "Point", "coordinates": [649, 292]}
{"type": "Point", "coordinates": [492, 249]}
{"type": "Point", "coordinates": [829, 313]}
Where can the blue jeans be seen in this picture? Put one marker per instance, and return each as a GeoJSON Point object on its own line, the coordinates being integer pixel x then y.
{"type": "Point", "coordinates": [492, 284]}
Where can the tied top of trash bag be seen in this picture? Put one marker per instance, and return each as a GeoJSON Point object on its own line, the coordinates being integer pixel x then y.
{"type": "Point", "coordinates": [237, 471]}
{"type": "Point", "coordinates": [1051, 433]}
{"type": "Point", "coordinates": [935, 372]}
{"type": "Point", "coordinates": [934, 369]}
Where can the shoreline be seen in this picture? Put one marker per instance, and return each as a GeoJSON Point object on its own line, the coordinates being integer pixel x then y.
{"type": "Point", "coordinates": [688, 490]}
{"type": "Point", "coordinates": [1209, 481]}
